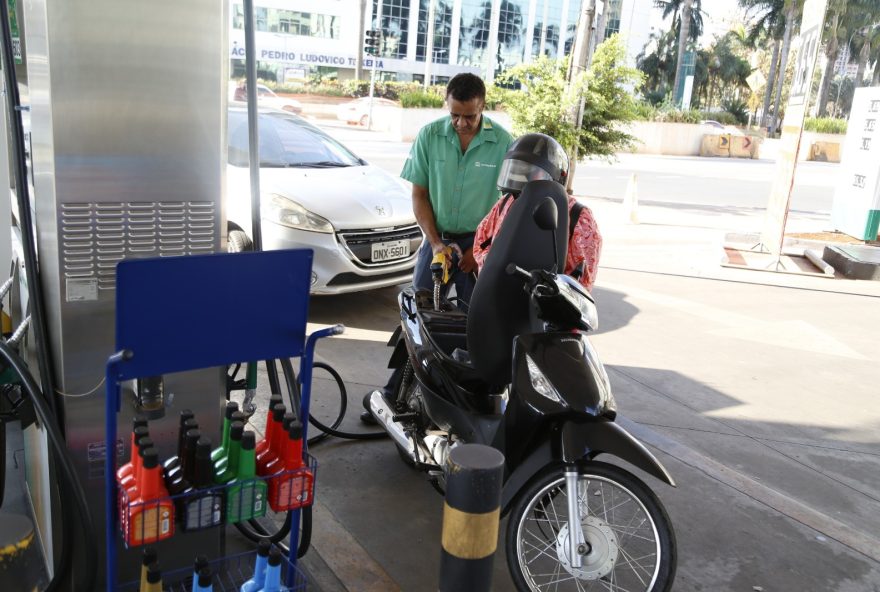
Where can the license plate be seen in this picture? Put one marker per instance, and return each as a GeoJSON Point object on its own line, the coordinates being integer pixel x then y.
{"type": "Point", "coordinates": [389, 251]}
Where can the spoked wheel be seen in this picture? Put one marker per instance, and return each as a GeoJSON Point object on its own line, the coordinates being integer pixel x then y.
{"type": "Point", "coordinates": [629, 542]}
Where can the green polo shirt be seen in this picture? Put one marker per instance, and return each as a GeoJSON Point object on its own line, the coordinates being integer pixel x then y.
{"type": "Point", "coordinates": [462, 187]}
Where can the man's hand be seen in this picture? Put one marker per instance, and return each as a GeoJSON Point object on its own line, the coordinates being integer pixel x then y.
{"type": "Point", "coordinates": [466, 263]}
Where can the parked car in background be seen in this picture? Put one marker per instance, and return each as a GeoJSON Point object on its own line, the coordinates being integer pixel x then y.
{"type": "Point", "coordinates": [717, 127]}
{"type": "Point", "coordinates": [267, 98]}
{"type": "Point", "coordinates": [358, 110]}
{"type": "Point", "coordinates": [317, 194]}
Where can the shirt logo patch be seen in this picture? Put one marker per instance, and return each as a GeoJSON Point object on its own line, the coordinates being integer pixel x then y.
{"type": "Point", "coordinates": [479, 164]}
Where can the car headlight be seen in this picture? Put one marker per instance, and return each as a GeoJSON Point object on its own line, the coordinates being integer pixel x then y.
{"type": "Point", "coordinates": [540, 382]}
{"type": "Point", "coordinates": [287, 212]}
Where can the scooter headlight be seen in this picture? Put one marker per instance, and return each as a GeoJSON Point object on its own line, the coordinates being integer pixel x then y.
{"type": "Point", "coordinates": [540, 382]}
{"type": "Point", "coordinates": [287, 212]}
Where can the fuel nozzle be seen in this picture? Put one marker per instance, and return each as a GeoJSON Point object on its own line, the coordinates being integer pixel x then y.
{"type": "Point", "coordinates": [440, 266]}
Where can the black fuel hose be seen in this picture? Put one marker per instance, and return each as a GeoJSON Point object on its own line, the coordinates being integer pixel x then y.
{"type": "Point", "coordinates": [75, 493]}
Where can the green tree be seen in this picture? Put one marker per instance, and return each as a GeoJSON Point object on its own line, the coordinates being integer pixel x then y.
{"type": "Point", "coordinates": [547, 101]}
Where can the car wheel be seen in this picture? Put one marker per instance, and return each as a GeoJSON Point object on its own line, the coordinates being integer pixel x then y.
{"type": "Point", "coordinates": [365, 119]}
{"type": "Point", "coordinates": [238, 242]}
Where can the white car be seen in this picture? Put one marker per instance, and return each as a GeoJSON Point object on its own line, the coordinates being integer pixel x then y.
{"type": "Point", "coordinates": [358, 110]}
{"type": "Point", "coordinates": [266, 97]}
{"type": "Point", "coordinates": [317, 194]}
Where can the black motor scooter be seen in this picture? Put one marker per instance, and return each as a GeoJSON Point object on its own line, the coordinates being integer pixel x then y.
{"type": "Point", "coordinates": [518, 373]}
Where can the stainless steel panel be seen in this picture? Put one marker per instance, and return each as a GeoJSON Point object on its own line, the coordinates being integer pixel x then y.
{"type": "Point", "coordinates": [128, 111]}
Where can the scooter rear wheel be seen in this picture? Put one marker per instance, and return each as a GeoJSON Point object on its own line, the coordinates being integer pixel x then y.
{"type": "Point", "coordinates": [630, 543]}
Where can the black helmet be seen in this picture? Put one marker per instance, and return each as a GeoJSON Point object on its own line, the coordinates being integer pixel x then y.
{"type": "Point", "coordinates": [532, 157]}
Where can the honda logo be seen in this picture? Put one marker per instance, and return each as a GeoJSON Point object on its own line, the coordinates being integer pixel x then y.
{"type": "Point", "coordinates": [380, 210]}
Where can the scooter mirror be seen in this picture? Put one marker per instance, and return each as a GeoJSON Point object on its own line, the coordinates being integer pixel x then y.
{"type": "Point", "coordinates": [545, 215]}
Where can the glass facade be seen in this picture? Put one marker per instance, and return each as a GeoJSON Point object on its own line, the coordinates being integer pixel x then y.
{"type": "Point", "coordinates": [612, 22]}
{"type": "Point", "coordinates": [512, 37]}
{"type": "Point", "coordinates": [476, 16]}
{"type": "Point", "coordinates": [574, 13]}
{"type": "Point", "coordinates": [442, 30]}
{"type": "Point", "coordinates": [395, 27]}
{"type": "Point", "coordinates": [292, 22]}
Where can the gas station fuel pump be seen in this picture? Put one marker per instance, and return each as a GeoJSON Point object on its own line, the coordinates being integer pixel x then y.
{"type": "Point", "coordinates": [126, 109]}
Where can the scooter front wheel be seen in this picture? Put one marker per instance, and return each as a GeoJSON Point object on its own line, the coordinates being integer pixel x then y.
{"type": "Point", "coordinates": [629, 543]}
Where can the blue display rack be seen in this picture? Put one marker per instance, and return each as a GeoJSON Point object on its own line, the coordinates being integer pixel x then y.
{"type": "Point", "coordinates": [175, 314]}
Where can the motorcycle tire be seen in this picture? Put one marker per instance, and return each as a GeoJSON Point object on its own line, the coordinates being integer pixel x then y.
{"type": "Point", "coordinates": [630, 541]}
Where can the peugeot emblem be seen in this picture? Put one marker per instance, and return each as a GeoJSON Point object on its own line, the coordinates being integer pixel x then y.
{"type": "Point", "coordinates": [381, 211]}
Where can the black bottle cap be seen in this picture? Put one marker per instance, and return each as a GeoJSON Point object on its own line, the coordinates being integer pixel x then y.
{"type": "Point", "coordinates": [275, 399]}
{"type": "Point", "coordinates": [263, 546]}
{"type": "Point", "coordinates": [144, 443]}
{"type": "Point", "coordinates": [154, 576]}
{"type": "Point", "coordinates": [205, 577]}
{"type": "Point", "coordinates": [239, 416]}
{"type": "Point", "coordinates": [274, 557]}
{"type": "Point", "coordinates": [236, 430]}
{"type": "Point", "coordinates": [231, 407]}
{"type": "Point", "coordinates": [203, 447]}
{"type": "Point", "coordinates": [248, 440]}
{"type": "Point", "coordinates": [295, 432]}
{"type": "Point", "coordinates": [140, 432]}
{"type": "Point", "coordinates": [278, 411]}
{"type": "Point", "coordinates": [150, 556]}
{"type": "Point", "coordinates": [192, 437]}
{"type": "Point", "coordinates": [186, 414]}
{"type": "Point", "coordinates": [190, 424]}
{"type": "Point", "coordinates": [151, 458]}
{"type": "Point", "coordinates": [201, 563]}
{"type": "Point", "coordinates": [139, 421]}
{"type": "Point", "coordinates": [289, 418]}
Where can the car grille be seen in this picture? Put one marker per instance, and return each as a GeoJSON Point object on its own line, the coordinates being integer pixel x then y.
{"type": "Point", "coordinates": [350, 279]}
{"type": "Point", "coordinates": [357, 243]}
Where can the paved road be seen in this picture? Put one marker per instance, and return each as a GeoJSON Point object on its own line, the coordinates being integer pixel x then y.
{"type": "Point", "coordinates": [683, 180]}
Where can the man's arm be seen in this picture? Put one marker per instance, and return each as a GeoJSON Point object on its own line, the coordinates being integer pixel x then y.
{"type": "Point", "coordinates": [425, 217]}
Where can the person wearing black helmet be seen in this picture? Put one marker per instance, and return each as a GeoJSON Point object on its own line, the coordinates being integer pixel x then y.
{"type": "Point", "coordinates": [535, 157]}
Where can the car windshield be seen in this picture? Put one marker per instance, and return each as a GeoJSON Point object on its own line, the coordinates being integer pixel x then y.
{"type": "Point", "coordinates": [286, 142]}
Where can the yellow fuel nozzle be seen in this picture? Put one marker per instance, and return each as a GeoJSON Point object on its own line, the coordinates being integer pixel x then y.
{"type": "Point", "coordinates": [441, 265]}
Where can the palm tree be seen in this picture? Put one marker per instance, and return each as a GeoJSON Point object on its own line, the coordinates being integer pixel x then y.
{"type": "Point", "coordinates": [831, 35]}
{"type": "Point", "coordinates": [793, 10]}
{"type": "Point", "coordinates": [689, 27]}
{"type": "Point", "coordinates": [767, 21]}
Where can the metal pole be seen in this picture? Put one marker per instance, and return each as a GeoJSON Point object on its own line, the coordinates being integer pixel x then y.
{"type": "Point", "coordinates": [429, 44]}
{"type": "Point", "coordinates": [362, 16]}
{"type": "Point", "coordinates": [250, 73]}
{"type": "Point", "coordinates": [578, 63]}
{"type": "Point", "coordinates": [474, 473]}
{"type": "Point", "coordinates": [381, 30]}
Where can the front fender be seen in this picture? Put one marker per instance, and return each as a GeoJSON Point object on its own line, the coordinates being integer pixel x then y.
{"type": "Point", "coordinates": [590, 439]}
{"type": "Point", "coordinates": [576, 441]}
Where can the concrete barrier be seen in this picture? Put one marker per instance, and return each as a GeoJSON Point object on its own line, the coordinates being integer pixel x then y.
{"type": "Point", "coordinates": [825, 152]}
{"type": "Point", "coordinates": [715, 145]}
{"type": "Point", "coordinates": [744, 146]}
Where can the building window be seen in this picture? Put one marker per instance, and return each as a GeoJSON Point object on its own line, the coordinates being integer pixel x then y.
{"type": "Point", "coordinates": [394, 26]}
{"type": "Point", "coordinates": [574, 14]}
{"type": "Point", "coordinates": [474, 37]}
{"type": "Point", "coordinates": [511, 33]}
{"type": "Point", "coordinates": [292, 22]}
{"type": "Point", "coordinates": [442, 30]}
{"type": "Point", "coordinates": [612, 21]}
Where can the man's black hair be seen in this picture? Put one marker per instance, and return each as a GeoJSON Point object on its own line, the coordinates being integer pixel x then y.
{"type": "Point", "coordinates": [465, 87]}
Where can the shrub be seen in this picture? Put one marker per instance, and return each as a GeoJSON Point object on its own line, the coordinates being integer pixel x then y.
{"type": "Point", "coordinates": [546, 101]}
{"type": "Point", "coordinates": [420, 99]}
{"type": "Point", "coordinates": [738, 109]}
{"type": "Point", "coordinates": [825, 125]}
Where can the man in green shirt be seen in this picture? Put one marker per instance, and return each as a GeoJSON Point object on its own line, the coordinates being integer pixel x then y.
{"type": "Point", "coordinates": [453, 166]}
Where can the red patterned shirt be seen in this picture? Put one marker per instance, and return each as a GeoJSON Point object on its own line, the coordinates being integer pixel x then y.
{"type": "Point", "coordinates": [585, 244]}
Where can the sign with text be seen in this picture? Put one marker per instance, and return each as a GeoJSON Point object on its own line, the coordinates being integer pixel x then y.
{"type": "Point", "coordinates": [856, 206]}
{"type": "Point", "coordinates": [792, 125]}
